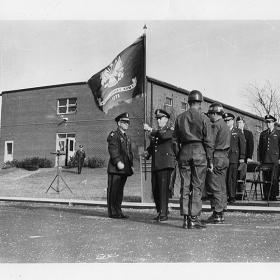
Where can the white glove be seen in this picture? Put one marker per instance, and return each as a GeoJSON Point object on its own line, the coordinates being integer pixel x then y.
{"type": "Point", "coordinates": [120, 165]}
{"type": "Point", "coordinates": [147, 127]}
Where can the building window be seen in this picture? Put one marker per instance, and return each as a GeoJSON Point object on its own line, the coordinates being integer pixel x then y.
{"type": "Point", "coordinates": [183, 106]}
{"type": "Point", "coordinates": [66, 105]}
{"type": "Point", "coordinates": [169, 101]}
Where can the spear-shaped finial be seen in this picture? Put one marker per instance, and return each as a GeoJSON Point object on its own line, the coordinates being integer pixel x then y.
{"type": "Point", "coordinates": [145, 28]}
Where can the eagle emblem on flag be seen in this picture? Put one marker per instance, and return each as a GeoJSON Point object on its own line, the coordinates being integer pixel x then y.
{"type": "Point", "coordinates": [112, 74]}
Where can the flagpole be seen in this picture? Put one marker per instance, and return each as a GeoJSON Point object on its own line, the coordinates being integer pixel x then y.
{"type": "Point", "coordinates": [145, 96]}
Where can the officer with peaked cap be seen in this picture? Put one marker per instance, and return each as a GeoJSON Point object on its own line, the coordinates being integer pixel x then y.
{"type": "Point", "coordinates": [193, 134]}
{"type": "Point", "coordinates": [120, 165]}
{"type": "Point", "coordinates": [236, 156]}
{"type": "Point", "coordinates": [162, 150]}
{"type": "Point", "coordinates": [249, 150]}
{"type": "Point", "coordinates": [80, 156]}
{"type": "Point", "coordinates": [269, 154]}
{"type": "Point", "coordinates": [216, 180]}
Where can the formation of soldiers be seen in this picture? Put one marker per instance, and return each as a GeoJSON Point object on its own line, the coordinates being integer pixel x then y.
{"type": "Point", "coordinates": [209, 151]}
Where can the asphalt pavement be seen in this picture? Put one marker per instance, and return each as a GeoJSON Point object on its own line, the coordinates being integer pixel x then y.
{"type": "Point", "coordinates": [40, 233]}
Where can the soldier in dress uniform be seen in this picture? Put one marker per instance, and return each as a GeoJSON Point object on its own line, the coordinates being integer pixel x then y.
{"type": "Point", "coordinates": [269, 154]}
{"type": "Point", "coordinates": [193, 134]}
{"type": "Point", "coordinates": [120, 165]}
{"type": "Point", "coordinates": [236, 155]}
{"type": "Point", "coordinates": [162, 149]}
{"type": "Point", "coordinates": [80, 158]}
{"type": "Point", "coordinates": [216, 180]}
{"type": "Point", "coordinates": [249, 150]}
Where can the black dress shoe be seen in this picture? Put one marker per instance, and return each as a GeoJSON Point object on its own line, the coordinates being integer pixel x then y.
{"type": "Point", "coordinates": [115, 217]}
{"type": "Point", "coordinates": [156, 218]}
{"type": "Point", "coordinates": [122, 216]}
{"type": "Point", "coordinates": [163, 218]}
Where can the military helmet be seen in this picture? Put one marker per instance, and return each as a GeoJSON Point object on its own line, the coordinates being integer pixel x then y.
{"type": "Point", "coordinates": [216, 108]}
{"type": "Point", "coordinates": [196, 96]}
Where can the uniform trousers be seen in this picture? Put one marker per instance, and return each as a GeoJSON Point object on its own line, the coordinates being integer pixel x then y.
{"type": "Point", "coordinates": [115, 193]}
{"type": "Point", "coordinates": [80, 166]}
{"type": "Point", "coordinates": [216, 182]}
{"type": "Point", "coordinates": [271, 174]}
{"type": "Point", "coordinates": [232, 180]}
{"type": "Point", "coordinates": [160, 189]}
{"type": "Point", "coordinates": [192, 168]}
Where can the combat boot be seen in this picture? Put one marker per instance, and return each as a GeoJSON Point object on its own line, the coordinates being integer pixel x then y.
{"type": "Point", "coordinates": [195, 223]}
{"type": "Point", "coordinates": [215, 218]}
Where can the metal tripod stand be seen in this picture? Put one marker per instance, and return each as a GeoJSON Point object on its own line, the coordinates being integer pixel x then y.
{"type": "Point", "coordinates": [58, 176]}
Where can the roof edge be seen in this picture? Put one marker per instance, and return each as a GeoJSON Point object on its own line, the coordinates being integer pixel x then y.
{"type": "Point", "coordinates": [43, 87]}
{"type": "Point", "coordinates": [210, 100]}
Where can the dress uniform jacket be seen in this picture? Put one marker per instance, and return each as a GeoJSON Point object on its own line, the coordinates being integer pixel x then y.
{"type": "Point", "coordinates": [249, 144]}
{"type": "Point", "coordinates": [237, 146]}
{"type": "Point", "coordinates": [269, 146]}
{"type": "Point", "coordinates": [119, 146]}
{"type": "Point", "coordinates": [162, 149]}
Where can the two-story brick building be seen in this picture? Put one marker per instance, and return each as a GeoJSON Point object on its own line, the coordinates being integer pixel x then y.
{"type": "Point", "coordinates": [38, 121]}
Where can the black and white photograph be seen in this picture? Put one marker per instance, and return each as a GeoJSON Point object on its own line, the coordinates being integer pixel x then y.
{"type": "Point", "coordinates": [139, 139]}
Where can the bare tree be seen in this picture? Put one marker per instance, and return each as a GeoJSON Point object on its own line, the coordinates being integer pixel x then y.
{"type": "Point", "coordinates": [264, 99]}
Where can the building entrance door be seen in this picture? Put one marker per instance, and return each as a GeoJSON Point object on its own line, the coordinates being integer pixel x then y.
{"type": "Point", "coordinates": [65, 143]}
{"type": "Point", "coordinates": [9, 151]}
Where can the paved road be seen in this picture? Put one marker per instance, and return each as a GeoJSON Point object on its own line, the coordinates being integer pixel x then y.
{"type": "Point", "coordinates": [63, 234]}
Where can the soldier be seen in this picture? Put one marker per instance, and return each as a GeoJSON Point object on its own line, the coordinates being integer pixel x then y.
{"type": "Point", "coordinates": [80, 157]}
{"type": "Point", "coordinates": [193, 135]}
{"type": "Point", "coordinates": [236, 156]}
{"type": "Point", "coordinates": [216, 180]}
{"type": "Point", "coordinates": [240, 123]}
{"type": "Point", "coordinates": [269, 154]}
{"type": "Point", "coordinates": [120, 166]}
{"type": "Point", "coordinates": [249, 138]}
{"type": "Point", "coordinates": [161, 149]}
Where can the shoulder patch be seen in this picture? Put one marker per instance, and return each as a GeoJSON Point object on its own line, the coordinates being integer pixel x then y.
{"type": "Point", "coordinates": [112, 133]}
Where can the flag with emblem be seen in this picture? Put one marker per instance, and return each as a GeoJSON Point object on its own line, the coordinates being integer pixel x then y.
{"type": "Point", "coordinates": [122, 80]}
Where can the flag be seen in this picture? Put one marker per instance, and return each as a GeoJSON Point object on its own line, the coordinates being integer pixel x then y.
{"type": "Point", "coordinates": [122, 80]}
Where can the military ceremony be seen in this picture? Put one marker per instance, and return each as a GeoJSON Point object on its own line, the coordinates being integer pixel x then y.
{"type": "Point", "coordinates": [140, 141]}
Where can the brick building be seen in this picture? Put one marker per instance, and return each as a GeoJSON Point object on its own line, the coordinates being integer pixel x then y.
{"type": "Point", "coordinates": [41, 120]}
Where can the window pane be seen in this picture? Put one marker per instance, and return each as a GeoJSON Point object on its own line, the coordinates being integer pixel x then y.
{"type": "Point", "coordinates": [168, 101]}
{"type": "Point", "coordinates": [72, 101]}
{"type": "Point", "coordinates": [62, 102]}
{"type": "Point", "coordinates": [72, 109]}
{"type": "Point", "coordinates": [71, 135]}
{"type": "Point", "coordinates": [62, 110]}
{"type": "Point", "coordinates": [61, 135]}
{"type": "Point", "coordinates": [184, 106]}
{"type": "Point", "coordinates": [71, 146]}
{"type": "Point", "coordinates": [9, 148]}
{"type": "Point", "coordinates": [61, 145]}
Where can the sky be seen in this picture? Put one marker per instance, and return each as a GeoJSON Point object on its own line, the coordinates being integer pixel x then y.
{"type": "Point", "coordinates": [205, 47]}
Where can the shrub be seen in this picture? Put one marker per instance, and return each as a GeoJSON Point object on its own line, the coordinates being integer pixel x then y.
{"type": "Point", "coordinates": [95, 162]}
{"type": "Point", "coordinates": [10, 164]}
{"type": "Point", "coordinates": [34, 163]}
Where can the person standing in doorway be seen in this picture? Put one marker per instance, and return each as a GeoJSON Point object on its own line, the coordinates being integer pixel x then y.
{"type": "Point", "coordinates": [80, 158]}
{"type": "Point", "coordinates": [120, 165]}
{"type": "Point", "coordinates": [162, 149]}
{"type": "Point", "coordinates": [193, 135]}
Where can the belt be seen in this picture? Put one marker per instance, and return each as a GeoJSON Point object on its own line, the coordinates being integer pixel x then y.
{"type": "Point", "coordinates": [221, 152]}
